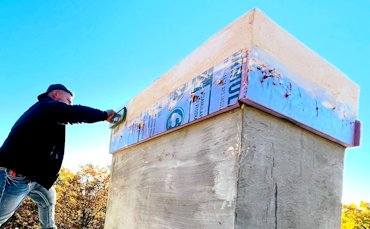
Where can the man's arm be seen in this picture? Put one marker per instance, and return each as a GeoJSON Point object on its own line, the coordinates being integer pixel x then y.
{"type": "Point", "coordinates": [71, 114]}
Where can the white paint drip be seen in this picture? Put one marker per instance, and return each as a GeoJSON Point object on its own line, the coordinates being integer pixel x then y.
{"type": "Point", "coordinates": [168, 181]}
{"type": "Point", "coordinates": [225, 178]}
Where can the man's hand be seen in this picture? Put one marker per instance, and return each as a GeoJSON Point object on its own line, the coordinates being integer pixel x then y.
{"type": "Point", "coordinates": [111, 114]}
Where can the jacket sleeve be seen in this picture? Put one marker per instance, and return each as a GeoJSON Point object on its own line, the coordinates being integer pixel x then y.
{"type": "Point", "coordinates": [71, 114]}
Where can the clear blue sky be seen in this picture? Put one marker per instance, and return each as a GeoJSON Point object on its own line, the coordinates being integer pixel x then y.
{"type": "Point", "coordinates": [109, 51]}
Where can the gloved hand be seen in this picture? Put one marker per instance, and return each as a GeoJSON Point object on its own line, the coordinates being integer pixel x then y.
{"type": "Point", "coordinates": [111, 115]}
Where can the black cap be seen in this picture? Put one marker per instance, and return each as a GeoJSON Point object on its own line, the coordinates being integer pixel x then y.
{"type": "Point", "coordinates": [55, 87]}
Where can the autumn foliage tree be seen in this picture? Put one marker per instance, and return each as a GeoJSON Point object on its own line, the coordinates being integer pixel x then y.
{"type": "Point", "coordinates": [356, 217]}
{"type": "Point", "coordinates": [82, 198]}
{"type": "Point", "coordinates": [81, 201]}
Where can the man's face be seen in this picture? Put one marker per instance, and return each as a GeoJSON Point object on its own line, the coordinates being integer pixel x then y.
{"type": "Point", "coordinates": [63, 97]}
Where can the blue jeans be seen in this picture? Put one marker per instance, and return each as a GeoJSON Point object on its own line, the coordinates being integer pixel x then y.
{"type": "Point", "coordinates": [15, 188]}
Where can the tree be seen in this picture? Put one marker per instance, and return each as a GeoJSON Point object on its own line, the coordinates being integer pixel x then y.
{"type": "Point", "coordinates": [81, 201]}
{"type": "Point", "coordinates": [356, 217]}
{"type": "Point", "coordinates": [82, 197]}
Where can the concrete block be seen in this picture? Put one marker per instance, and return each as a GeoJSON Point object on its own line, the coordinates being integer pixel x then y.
{"type": "Point", "coordinates": [271, 157]}
{"type": "Point", "coordinates": [187, 179]}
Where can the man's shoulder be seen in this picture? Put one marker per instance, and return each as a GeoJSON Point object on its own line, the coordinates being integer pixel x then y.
{"type": "Point", "coordinates": [49, 102]}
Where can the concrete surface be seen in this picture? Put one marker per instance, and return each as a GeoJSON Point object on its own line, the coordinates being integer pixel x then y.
{"type": "Point", "coordinates": [251, 29]}
{"type": "Point", "coordinates": [185, 179]}
{"type": "Point", "coordinates": [241, 169]}
{"type": "Point", "coordinates": [289, 177]}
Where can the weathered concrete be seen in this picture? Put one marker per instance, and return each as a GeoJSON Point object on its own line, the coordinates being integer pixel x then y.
{"type": "Point", "coordinates": [289, 177]}
{"type": "Point", "coordinates": [186, 179]}
{"type": "Point", "coordinates": [242, 169]}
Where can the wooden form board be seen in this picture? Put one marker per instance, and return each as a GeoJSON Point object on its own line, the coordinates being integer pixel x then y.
{"type": "Point", "coordinates": [254, 31]}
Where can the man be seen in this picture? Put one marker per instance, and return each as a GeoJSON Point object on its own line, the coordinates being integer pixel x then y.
{"type": "Point", "coordinates": [32, 154]}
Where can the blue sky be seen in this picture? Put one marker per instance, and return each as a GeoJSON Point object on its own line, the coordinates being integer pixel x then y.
{"type": "Point", "coordinates": [109, 51]}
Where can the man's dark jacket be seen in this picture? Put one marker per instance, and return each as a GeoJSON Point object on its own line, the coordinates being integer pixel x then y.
{"type": "Point", "coordinates": [35, 145]}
